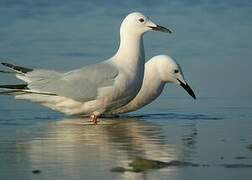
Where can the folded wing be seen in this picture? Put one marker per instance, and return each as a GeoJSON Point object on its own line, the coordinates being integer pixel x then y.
{"type": "Point", "coordinates": [80, 85]}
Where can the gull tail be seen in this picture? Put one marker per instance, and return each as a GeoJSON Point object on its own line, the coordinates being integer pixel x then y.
{"type": "Point", "coordinates": [20, 89]}
{"type": "Point", "coordinates": [17, 69]}
{"type": "Point", "coordinates": [22, 73]}
{"type": "Point", "coordinates": [14, 86]}
{"type": "Point", "coordinates": [13, 89]}
{"type": "Point", "coordinates": [19, 72]}
{"type": "Point", "coordinates": [7, 72]}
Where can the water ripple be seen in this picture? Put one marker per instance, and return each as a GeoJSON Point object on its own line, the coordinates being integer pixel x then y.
{"type": "Point", "coordinates": [177, 116]}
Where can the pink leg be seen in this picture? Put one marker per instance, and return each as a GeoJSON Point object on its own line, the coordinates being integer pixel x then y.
{"type": "Point", "coordinates": [93, 118]}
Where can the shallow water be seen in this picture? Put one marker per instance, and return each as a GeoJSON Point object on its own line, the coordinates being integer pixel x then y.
{"type": "Point", "coordinates": [68, 148]}
{"type": "Point", "coordinates": [212, 43]}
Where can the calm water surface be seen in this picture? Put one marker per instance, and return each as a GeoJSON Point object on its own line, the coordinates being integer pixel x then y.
{"type": "Point", "coordinates": [211, 41]}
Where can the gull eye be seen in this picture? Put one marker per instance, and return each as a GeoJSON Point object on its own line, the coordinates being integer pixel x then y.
{"type": "Point", "coordinates": [141, 20]}
{"type": "Point", "coordinates": [176, 71]}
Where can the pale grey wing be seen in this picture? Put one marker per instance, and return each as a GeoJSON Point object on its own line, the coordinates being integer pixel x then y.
{"type": "Point", "coordinates": [80, 85]}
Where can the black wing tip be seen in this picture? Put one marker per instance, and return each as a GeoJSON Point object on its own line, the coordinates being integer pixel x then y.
{"type": "Point", "coordinates": [15, 86]}
{"type": "Point", "coordinates": [5, 64]}
{"type": "Point", "coordinates": [17, 68]}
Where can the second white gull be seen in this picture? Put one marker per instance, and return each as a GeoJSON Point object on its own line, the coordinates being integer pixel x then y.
{"type": "Point", "coordinates": [94, 89]}
{"type": "Point", "coordinates": [159, 70]}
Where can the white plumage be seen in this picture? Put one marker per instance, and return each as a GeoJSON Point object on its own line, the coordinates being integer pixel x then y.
{"type": "Point", "coordinates": [94, 89]}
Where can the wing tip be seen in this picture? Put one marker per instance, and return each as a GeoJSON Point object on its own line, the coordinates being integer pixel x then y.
{"type": "Point", "coordinates": [5, 64]}
{"type": "Point", "coordinates": [16, 68]}
{"type": "Point", "coordinates": [15, 86]}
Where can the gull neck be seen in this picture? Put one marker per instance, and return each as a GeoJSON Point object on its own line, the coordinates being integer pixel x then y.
{"type": "Point", "coordinates": [131, 47]}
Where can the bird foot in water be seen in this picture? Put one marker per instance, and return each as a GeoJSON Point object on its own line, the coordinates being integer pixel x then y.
{"type": "Point", "coordinates": [93, 119]}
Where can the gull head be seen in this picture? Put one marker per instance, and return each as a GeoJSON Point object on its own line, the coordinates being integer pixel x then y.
{"type": "Point", "coordinates": [170, 72]}
{"type": "Point", "coordinates": [138, 23]}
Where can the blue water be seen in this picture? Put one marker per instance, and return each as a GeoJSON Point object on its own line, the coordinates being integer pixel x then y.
{"type": "Point", "coordinates": [211, 41]}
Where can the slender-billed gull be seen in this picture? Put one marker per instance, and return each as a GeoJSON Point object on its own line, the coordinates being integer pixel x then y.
{"type": "Point", "coordinates": [94, 89]}
{"type": "Point", "coordinates": [159, 70]}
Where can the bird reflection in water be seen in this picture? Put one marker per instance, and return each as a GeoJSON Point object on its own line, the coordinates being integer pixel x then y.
{"type": "Point", "coordinates": [74, 147]}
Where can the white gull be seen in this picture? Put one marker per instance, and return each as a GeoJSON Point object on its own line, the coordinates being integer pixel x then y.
{"type": "Point", "coordinates": [159, 70]}
{"type": "Point", "coordinates": [94, 89]}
